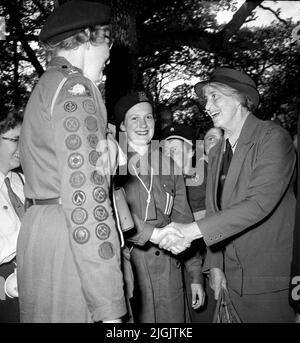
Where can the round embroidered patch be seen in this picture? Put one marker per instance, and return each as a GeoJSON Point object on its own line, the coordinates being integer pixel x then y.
{"type": "Point", "coordinates": [78, 198]}
{"type": "Point", "coordinates": [81, 235]}
{"type": "Point", "coordinates": [102, 231]}
{"type": "Point", "coordinates": [71, 124]}
{"type": "Point", "coordinates": [75, 160]}
{"type": "Point", "coordinates": [93, 157]}
{"type": "Point", "coordinates": [91, 123]}
{"type": "Point", "coordinates": [79, 215]}
{"type": "Point", "coordinates": [93, 140]}
{"type": "Point", "coordinates": [77, 179]}
{"type": "Point", "coordinates": [97, 178]}
{"type": "Point", "coordinates": [70, 106]}
{"type": "Point", "coordinates": [106, 250]}
{"type": "Point", "coordinates": [99, 194]}
{"type": "Point", "coordinates": [89, 106]}
{"type": "Point", "coordinates": [100, 213]}
{"type": "Point", "coordinates": [73, 142]}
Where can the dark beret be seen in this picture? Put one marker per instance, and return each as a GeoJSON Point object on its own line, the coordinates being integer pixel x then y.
{"type": "Point", "coordinates": [129, 100]}
{"type": "Point", "coordinates": [72, 17]}
{"type": "Point", "coordinates": [179, 131]}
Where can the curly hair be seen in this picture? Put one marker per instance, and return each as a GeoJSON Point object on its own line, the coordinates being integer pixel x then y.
{"type": "Point", "coordinates": [95, 35]}
{"type": "Point", "coordinates": [9, 119]}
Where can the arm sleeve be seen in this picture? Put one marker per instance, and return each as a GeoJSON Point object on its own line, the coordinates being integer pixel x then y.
{"type": "Point", "coordinates": [79, 134]}
{"type": "Point", "coordinates": [269, 179]}
{"type": "Point", "coordinates": [8, 246]}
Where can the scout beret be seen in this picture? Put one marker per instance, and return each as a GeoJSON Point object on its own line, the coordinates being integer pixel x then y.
{"type": "Point", "coordinates": [129, 100]}
{"type": "Point", "coordinates": [179, 131]}
{"type": "Point", "coordinates": [72, 17]}
{"type": "Point", "coordinates": [233, 78]}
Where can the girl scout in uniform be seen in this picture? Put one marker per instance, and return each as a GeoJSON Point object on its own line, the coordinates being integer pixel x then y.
{"type": "Point", "coordinates": [69, 249]}
{"type": "Point", "coordinates": [156, 197]}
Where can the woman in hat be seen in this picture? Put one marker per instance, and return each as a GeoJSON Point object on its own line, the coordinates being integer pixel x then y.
{"type": "Point", "coordinates": [156, 196]}
{"type": "Point", "coordinates": [250, 203]}
{"type": "Point", "coordinates": [11, 212]}
{"type": "Point", "coordinates": [68, 250]}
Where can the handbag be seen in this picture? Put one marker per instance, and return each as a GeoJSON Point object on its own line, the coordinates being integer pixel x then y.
{"type": "Point", "coordinates": [225, 311]}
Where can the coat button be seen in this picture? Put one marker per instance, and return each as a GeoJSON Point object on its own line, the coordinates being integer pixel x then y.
{"type": "Point", "coordinates": [157, 252]}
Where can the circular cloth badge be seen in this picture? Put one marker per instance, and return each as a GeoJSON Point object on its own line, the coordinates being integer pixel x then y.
{"type": "Point", "coordinates": [93, 140]}
{"type": "Point", "coordinates": [99, 194]}
{"type": "Point", "coordinates": [106, 250]}
{"type": "Point", "coordinates": [81, 235]}
{"type": "Point", "coordinates": [75, 160]}
{"type": "Point", "coordinates": [77, 179]}
{"type": "Point", "coordinates": [102, 231]}
{"type": "Point", "coordinates": [71, 124]}
{"type": "Point", "coordinates": [100, 213]}
{"type": "Point", "coordinates": [73, 142]}
{"type": "Point", "coordinates": [91, 123]}
{"type": "Point", "coordinates": [97, 178]}
{"type": "Point", "coordinates": [89, 106]}
{"type": "Point", "coordinates": [79, 215]}
{"type": "Point", "coordinates": [70, 106]}
{"type": "Point", "coordinates": [93, 157]}
{"type": "Point", "coordinates": [78, 198]}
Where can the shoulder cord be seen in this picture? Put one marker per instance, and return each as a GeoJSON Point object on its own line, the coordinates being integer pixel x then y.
{"type": "Point", "coordinates": [147, 190]}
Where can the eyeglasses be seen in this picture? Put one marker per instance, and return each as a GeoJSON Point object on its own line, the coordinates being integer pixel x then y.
{"type": "Point", "coordinates": [110, 42]}
{"type": "Point", "coordinates": [15, 140]}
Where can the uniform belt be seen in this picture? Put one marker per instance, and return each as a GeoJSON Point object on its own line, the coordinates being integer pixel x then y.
{"type": "Point", "coordinates": [31, 202]}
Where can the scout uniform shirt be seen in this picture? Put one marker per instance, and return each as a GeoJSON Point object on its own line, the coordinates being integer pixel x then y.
{"type": "Point", "coordinates": [62, 143]}
{"type": "Point", "coordinates": [156, 198]}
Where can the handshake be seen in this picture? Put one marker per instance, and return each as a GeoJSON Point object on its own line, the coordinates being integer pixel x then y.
{"type": "Point", "coordinates": [176, 237]}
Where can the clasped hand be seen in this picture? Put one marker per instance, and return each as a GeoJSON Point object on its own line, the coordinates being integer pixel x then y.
{"type": "Point", "coordinates": [174, 237]}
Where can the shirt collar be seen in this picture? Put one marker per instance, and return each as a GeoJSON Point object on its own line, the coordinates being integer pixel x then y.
{"type": "Point", "coordinates": [233, 138]}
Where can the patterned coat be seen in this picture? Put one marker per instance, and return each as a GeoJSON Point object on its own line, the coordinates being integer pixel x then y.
{"type": "Point", "coordinates": [68, 254]}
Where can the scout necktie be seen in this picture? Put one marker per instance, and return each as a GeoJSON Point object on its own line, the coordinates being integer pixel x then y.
{"type": "Point", "coordinates": [15, 200]}
{"type": "Point", "coordinates": [227, 156]}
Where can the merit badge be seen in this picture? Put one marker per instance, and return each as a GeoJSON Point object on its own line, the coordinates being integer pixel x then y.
{"type": "Point", "coordinates": [93, 157]}
{"type": "Point", "coordinates": [89, 106]}
{"type": "Point", "coordinates": [100, 213]}
{"type": "Point", "coordinates": [77, 179]}
{"type": "Point", "coordinates": [70, 106]}
{"type": "Point", "coordinates": [99, 194]}
{"type": "Point", "coordinates": [81, 234]}
{"type": "Point", "coordinates": [106, 250]}
{"type": "Point", "coordinates": [79, 215]}
{"type": "Point", "coordinates": [79, 90]}
{"type": "Point", "coordinates": [71, 124]}
{"type": "Point", "coordinates": [91, 123]}
{"type": "Point", "coordinates": [97, 178]}
{"type": "Point", "coordinates": [78, 198]}
{"type": "Point", "coordinates": [73, 142]}
{"type": "Point", "coordinates": [102, 231]}
{"type": "Point", "coordinates": [93, 140]}
{"type": "Point", "coordinates": [75, 160]}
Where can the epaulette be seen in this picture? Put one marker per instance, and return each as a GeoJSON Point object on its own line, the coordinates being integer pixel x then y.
{"type": "Point", "coordinates": [68, 72]}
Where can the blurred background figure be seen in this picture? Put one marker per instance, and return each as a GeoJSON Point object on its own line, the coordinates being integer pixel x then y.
{"type": "Point", "coordinates": [11, 212]}
{"type": "Point", "coordinates": [180, 144]}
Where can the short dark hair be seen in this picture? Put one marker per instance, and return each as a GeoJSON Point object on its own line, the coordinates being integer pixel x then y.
{"type": "Point", "coordinates": [9, 119]}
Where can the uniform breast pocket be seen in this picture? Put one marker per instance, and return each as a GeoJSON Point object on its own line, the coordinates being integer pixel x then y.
{"type": "Point", "coordinates": [169, 202]}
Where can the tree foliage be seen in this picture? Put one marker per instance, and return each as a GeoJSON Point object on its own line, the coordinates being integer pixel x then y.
{"type": "Point", "coordinates": [165, 46]}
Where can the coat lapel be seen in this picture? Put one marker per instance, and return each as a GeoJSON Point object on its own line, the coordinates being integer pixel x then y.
{"type": "Point", "coordinates": [245, 142]}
